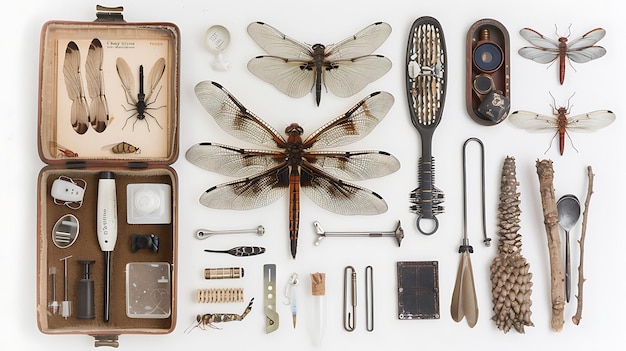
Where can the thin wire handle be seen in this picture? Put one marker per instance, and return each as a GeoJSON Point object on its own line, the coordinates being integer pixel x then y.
{"type": "Point", "coordinates": [486, 239]}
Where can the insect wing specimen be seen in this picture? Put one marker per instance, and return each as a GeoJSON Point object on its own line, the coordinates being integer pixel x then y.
{"type": "Point", "coordinates": [141, 101]}
{"type": "Point", "coordinates": [293, 164]}
{"type": "Point", "coordinates": [560, 123]}
{"type": "Point", "coordinates": [79, 113]}
{"type": "Point", "coordinates": [546, 50]}
{"type": "Point", "coordinates": [297, 69]}
{"type": "Point", "coordinates": [99, 110]}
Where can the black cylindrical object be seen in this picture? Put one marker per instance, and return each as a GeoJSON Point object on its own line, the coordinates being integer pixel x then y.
{"type": "Point", "coordinates": [85, 293]}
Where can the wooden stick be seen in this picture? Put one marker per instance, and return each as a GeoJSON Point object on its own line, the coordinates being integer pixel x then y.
{"type": "Point", "coordinates": [581, 278]}
{"type": "Point", "coordinates": [545, 171]}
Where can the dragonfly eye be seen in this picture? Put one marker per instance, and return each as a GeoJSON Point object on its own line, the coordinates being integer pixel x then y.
{"type": "Point", "coordinates": [294, 129]}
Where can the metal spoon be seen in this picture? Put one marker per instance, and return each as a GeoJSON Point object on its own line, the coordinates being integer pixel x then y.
{"type": "Point", "coordinates": [568, 208]}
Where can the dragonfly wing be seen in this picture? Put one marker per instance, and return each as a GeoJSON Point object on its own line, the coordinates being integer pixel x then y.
{"type": "Point", "coordinates": [348, 77]}
{"type": "Point", "coordinates": [231, 161]}
{"type": "Point", "coordinates": [295, 78]}
{"type": "Point", "coordinates": [248, 193]}
{"type": "Point", "coordinates": [235, 118]}
{"type": "Point", "coordinates": [355, 165]}
{"type": "Point", "coordinates": [338, 196]}
{"type": "Point", "coordinates": [588, 39]}
{"type": "Point", "coordinates": [538, 55]}
{"type": "Point", "coordinates": [360, 44]}
{"type": "Point", "coordinates": [99, 110]}
{"type": "Point", "coordinates": [533, 122]}
{"type": "Point", "coordinates": [586, 54]}
{"type": "Point", "coordinates": [537, 39]}
{"type": "Point", "coordinates": [156, 72]}
{"type": "Point", "coordinates": [127, 79]}
{"type": "Point", "coordinates": [276, 43]}
{"type": "Point", "coordinates": [353, 125]}
{"type": "Point", "coordinates": [591, 121]}
{"type": "Point", "coordinates": [79, 113]}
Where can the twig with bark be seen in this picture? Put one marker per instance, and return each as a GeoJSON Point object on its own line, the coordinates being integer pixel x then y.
{"type": "Point", "coordinates": [545, 171]}
{"type": "Point", "coordinates": [581, 242]}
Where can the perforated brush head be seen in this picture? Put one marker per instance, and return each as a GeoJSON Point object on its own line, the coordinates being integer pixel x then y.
{"type": "Point", "coordinates": [426, 73]}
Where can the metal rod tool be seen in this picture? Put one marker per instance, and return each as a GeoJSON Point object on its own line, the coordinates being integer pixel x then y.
{"type": "Point", "coordinates": [205, 233]}
{"type": "Point", "coordinates": [398, 233]}
{"type": "Point", "coordinates": [66, 304]}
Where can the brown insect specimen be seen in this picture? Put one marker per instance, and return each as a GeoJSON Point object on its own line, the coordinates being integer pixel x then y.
{"type": "Point", "coordinates": [125, 148]}
{"type": "Point", "coordinates": [546, 50]}
{"type": "Point", "coordinates": [63, 151]}
{"type": "Point", "coordinates": [207, 320]}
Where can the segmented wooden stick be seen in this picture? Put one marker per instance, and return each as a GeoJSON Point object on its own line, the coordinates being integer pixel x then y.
{"type": "Point", "coordinates": [545, 171]}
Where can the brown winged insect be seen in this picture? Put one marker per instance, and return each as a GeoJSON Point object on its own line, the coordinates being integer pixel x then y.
{"type": "Point", "coordinates": [297, 69]}
{"type": "Point", "coordinates": [560, 124]}
{"type": "Point", "coordinates": [293, 164]}
{"type": "Point", "coordinates": [546, 50]}
{"type": "Point", "coordinates": [142, 101]}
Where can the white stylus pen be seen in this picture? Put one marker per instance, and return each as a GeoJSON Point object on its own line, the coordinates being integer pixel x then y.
{"type": "Point", "coordinates": [107, 229]}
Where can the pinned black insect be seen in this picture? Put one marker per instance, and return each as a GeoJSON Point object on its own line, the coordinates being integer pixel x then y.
{"type": "Point", "coordinates": [140, 104]}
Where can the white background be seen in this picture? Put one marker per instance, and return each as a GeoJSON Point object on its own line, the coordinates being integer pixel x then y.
{"type": "Point", "coordinates": [598, 85]}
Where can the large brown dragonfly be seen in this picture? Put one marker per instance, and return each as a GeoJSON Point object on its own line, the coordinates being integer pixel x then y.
{"type": "Point", "coordinates": [293, 164]}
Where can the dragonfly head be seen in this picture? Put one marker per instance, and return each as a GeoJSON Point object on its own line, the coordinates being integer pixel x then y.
{"type": "Point", "coordinates": [294, 129]}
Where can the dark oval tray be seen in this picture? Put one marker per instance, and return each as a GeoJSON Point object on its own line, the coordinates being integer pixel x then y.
{"type": "Point", "coordinates": [500, 75]}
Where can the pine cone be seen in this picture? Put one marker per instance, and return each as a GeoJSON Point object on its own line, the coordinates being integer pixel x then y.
{"type": "Point", "coordinates": [510, 275]}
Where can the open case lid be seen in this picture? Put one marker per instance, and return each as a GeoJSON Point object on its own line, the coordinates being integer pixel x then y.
{"type": "Point", "coordinates": [108, 91]}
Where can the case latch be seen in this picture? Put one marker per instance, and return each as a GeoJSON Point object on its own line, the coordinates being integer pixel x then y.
{"type": "Point", "coordinates": [109, 14]}
{"type": "Point", "coordinates": [106, 340]}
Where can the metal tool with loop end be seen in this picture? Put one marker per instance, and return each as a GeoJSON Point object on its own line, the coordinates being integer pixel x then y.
{"type": "Point", "coordinates": [464, 302]}
{"type": "Point", "coordinates": [426, 81]}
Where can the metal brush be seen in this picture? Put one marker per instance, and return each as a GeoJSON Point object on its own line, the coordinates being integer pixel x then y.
{"type": "Point", "coordinates": [426, 91]}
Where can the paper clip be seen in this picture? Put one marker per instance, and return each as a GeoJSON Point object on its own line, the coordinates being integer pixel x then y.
{"type": "Point", "coordinates": [369, 298]}
{"type": "Point", "coordinates": [349, 317]}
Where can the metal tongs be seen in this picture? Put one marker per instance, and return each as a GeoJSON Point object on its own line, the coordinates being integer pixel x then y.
{"type": "Point", "coordinates": [426, 91]}
{"type": "Point", "coordinates": [464, 302]}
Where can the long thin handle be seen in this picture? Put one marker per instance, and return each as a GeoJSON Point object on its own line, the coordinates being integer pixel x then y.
{"type": "Point", "coordinates": [568, 268]}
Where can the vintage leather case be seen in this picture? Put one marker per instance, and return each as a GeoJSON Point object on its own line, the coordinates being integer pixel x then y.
{"type": "Point", "coordinates": [125, 78]}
